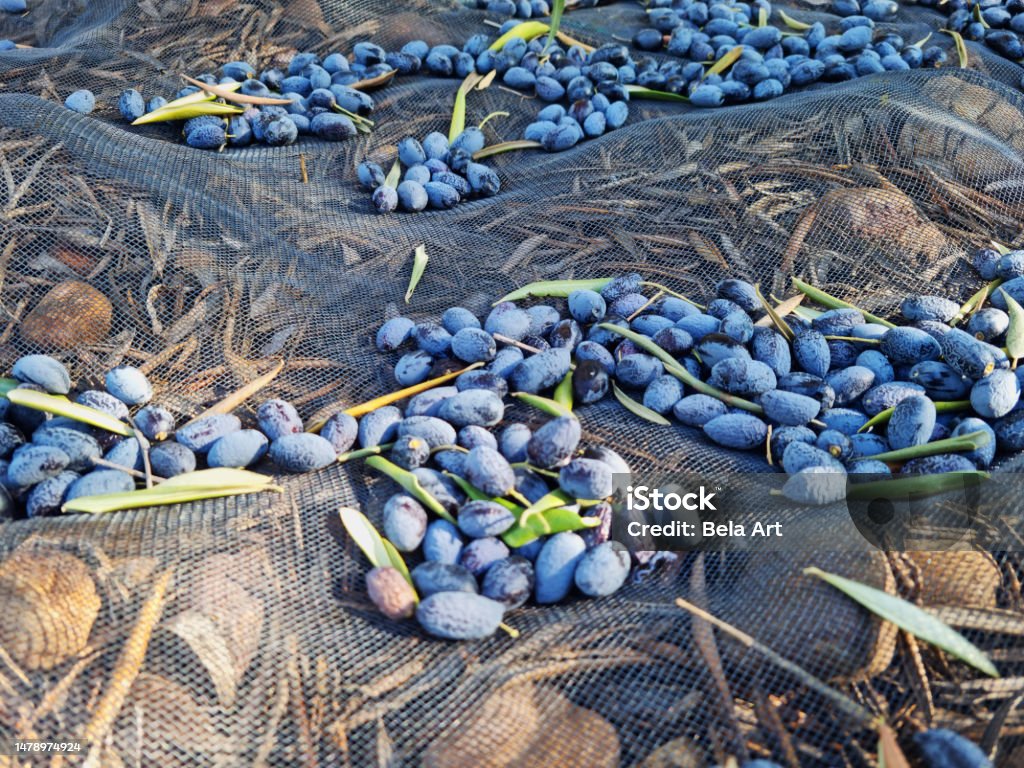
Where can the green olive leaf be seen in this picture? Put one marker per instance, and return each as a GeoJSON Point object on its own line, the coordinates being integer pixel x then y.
{"type": "Point", "coordinates": [638, 409]}
{"type": "Point", "coordinates": [554, 288]}
{"type": "Point", "coordinates": [1015, 333]}
{"type": "Point", "coordinates": [910, 618]}
{"type": "Point", "coordinates": [419, 265]}
{"type": "Point", "coordinates": [563, 392]}
{"type": "Point", "coordinates": [61, 406]}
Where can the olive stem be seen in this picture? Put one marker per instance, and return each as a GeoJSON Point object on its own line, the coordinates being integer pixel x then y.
{"type": "Point", "coordinates": [133, 472]}
{"type": "Point", "coordinates": [525, 347]}
{"type": "Point", "coordinates": [670, 292]}
{"type": "Point", "coordinates": [940, 407]}
{"type": "Point", "coordinates": [361, 453]}
{"type": "Point", "coordinates": [968, 442]}
{"type": "Point", "coordinates": [830, 301]}
{"type": "Point", "coordinates": [856, 339]}
{"type": "Point", "coordinates": [673, 367]}
{"type": "Point", "coordinates": [648, 303]}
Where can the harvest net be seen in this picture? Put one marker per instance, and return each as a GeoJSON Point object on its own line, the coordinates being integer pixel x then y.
{"type": "Point", "coordinates": [266, 650]}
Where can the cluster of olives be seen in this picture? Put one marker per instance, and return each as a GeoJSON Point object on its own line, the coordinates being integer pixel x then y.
{"type": "Point", "coordinates": [437, 175]}
{"type": "Point", "coordinates": [725, 369]}
{"type": "Point", "coordinates": [46, 460]}
{"type": "Point", "coordinates": [997, 23]}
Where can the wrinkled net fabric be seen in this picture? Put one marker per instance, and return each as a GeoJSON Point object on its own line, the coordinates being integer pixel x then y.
{"type": "Point", "coordinates": [267, 650]}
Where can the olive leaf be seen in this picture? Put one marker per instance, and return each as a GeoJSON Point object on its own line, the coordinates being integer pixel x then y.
{"type": "Point", "coordinates": [192, 486]}
{"type": "Point", "coordinates": [978, 17]}
{"type": "Point", "coordinates": [638, 409]}
{"type": "Point", "coordinates": [393, 175]}
{"type": "Point", "coordinates": [188, 111]}
{"type": "Point", "coordinates": [240, 395]}
{"type": "Point", "coordinates": [476, 494]}
{"type": "Point", "coordinates": [563, 392]}
{"type": "Point", "coordinates": [379, 551]}
{"type": "Point", "coordinates": [545, 404]}
{"type": "Point", "coordinates": [920, 43]}
{"type": "Point", "coordinates": [776, 318]}
{"type": "Point", "coordinates": [393, 397]}
{"type": "Point", "coordinates": [374, 82]}
{"type": "Point", "coordinates": [419, 265]}
{"type": "Point", "coordinates": [229, 94]}
{"type": "Point", "coordinates": [910, 618]}
{"type": "Point", "coordinates": [725, 62]}
{"type": "Point", "coordinates": [827, 300]}
{"type": "Point", "coordinates": [528, 30]}
{"type": "Point", "coordinates": [1003, 250]}
{"type": "Point", "coordinates": [639, 92]}
{"type": "Point", "coordinates": [61, 406]}
{"type": "Point", "coordinates": [961, 48]}
{"type": "Point", "coordinates": [362, 453]}
{"type": "Point", "coordinates": [762, 16]}
{"type": "Point", "coordinates": [792, 23]}
{"type": "Point", "coordinates": [784, 308]}
{"type": "Point", "coordinates": [968, 442]}
{"type": "Point", "coordinates": [545, 523]}
{"type": "Point", "coordinates": [916, 486]}
{"type": "Point", "coordinates": [458, 124]}
{"type": "Point", "coordinates": [410, 483]}
{"type": "Point", "coordinates": [506, 146]}
{"type": "Point", "coordinates": [557, 8]}
{"type": "Point", "coordinates": [1015, 333]}
{"type": "Point", "coordinates": [942, 406]}
{"type": "Point", "coordinates": [974, 303]}
{"type": "Point", "coordinates": [554, 288]}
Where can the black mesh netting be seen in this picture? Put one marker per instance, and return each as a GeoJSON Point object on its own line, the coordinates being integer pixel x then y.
{"type": "Point", "coordinates": [266, 650]}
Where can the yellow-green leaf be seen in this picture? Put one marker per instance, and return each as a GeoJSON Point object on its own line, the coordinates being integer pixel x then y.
{"type": "Point", "coordinates": [410, 483]}
{"type": "Point", "coordinates": [563, 392]}
{"type": "Point", "coordinates": [910, 618]}
{"type": "Point", "coordinates": [1000, 247]}
{"type": "Point", "coordinates": [561, 288]}
{"type": "Point", "coordinates": [762, 16]}
{"type": "Point", "coordinates": [527, 30]}
{"type": "Point", "coordinates": [365, 536]}
{"type": "Point", "coordinates": [6, 385]}
{"type": "Point", "coordinates": [961, 48]}
{"type": "Point", "coordinates": [188, 111]}
{"type": "Point", "coordinates": [398, 563]}
{"type": "Point", "coordinates": [192, 486]}
{"type": "Point", "coordinates": [61, 406]}
{"type": "Point", "coordinates": [391, 180]}
{"type": "Point", "coordinates": [639, 409]}
{"type": "Point", "coordinates": [725, 62]}
{"type": "Point", "coordinates": [792, 23]}
{"type": "Point", "coordinates": [545, 404]}
{"type": "Point", "coordinates": [506, 146]}
{"type": "Point", "coordinates": [639, 92]}
{"type": "Point", "coordinates": [922, 41]}
{"type": "Point", "coordinates": [1015, 333]}
{"type": "Point", "coordinates": [419, 264]}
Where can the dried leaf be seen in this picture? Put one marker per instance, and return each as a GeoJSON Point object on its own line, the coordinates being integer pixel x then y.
{"type": "Point", "coordinates": [229, 94]}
